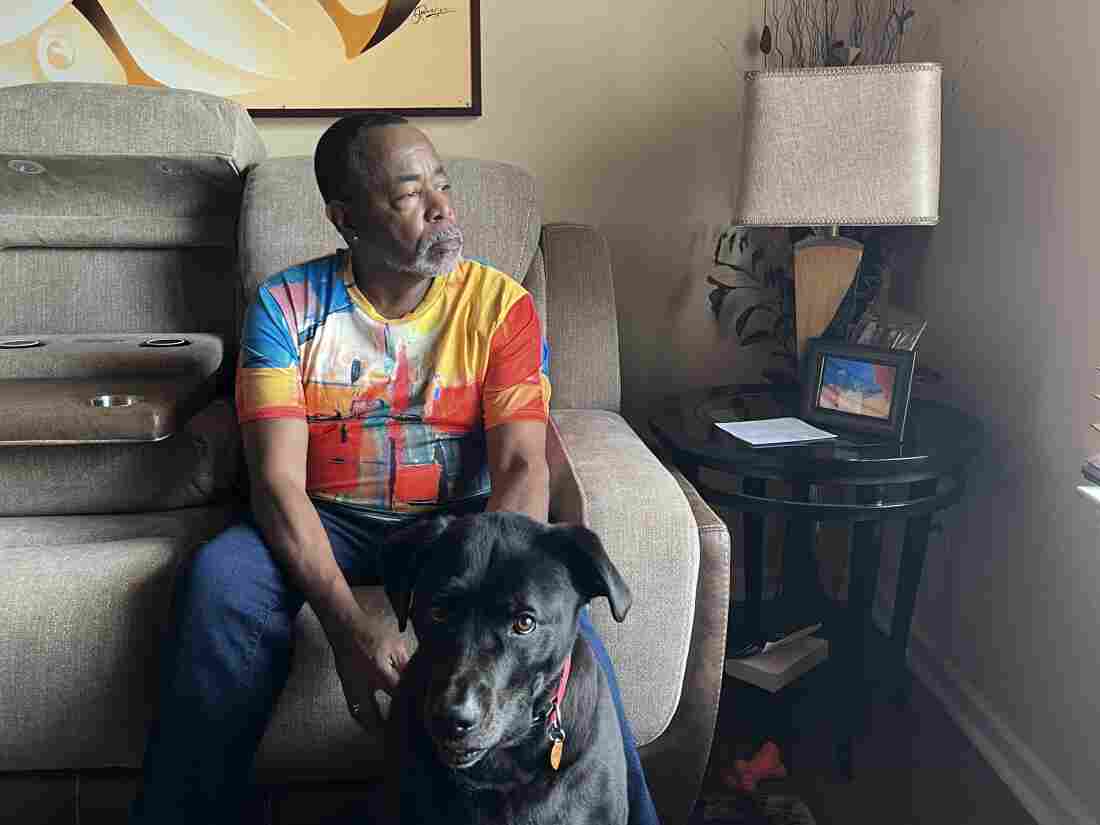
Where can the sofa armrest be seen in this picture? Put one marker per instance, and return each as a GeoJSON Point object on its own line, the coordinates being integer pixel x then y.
{"type": "Point", "coordinates": [104, 388]}
{"type": "Point", "coordinates": [668, 653]}
{"type": "Point", "coordinates": [685, 747]}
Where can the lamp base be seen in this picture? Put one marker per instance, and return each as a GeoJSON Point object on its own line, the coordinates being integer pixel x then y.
{"type": "Point", "coordinates": [824, 268]}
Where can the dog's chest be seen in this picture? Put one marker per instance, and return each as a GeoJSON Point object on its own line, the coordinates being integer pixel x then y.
{"type": "Point", "coordinates": [533, 805]}
{"type": "Point", "coordinates": [580, 795]}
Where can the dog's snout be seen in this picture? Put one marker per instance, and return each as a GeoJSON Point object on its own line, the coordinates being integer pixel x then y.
{"type": "Point", "coordinates": [457, 718]}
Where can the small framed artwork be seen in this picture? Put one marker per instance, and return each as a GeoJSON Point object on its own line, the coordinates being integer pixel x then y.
{"type": "Point", "coordinates": [892, 328]}
{"type": "Point", "coordinates": [856, 387]}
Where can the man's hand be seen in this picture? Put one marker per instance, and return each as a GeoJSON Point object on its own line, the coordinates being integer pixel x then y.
{"type": "Point", "coordinates": [369, 658]}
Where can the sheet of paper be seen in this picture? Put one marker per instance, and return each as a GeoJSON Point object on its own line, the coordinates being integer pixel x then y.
{"type": "Point", "coordinates": [772, 432]}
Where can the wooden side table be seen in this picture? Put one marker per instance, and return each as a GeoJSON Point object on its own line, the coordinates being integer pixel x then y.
{"type": "Point", "coordinates": [929, 465]}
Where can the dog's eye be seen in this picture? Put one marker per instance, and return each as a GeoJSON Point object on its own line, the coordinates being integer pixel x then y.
{"type": "Point", "coordinates": [438, 613]}
{"type": "Point", "coordinates": [524, 624]}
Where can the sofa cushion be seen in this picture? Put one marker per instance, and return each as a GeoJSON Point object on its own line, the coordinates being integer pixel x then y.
{"type": "Point", "coordinates": [189, 525]}
{"type": "Point", "coordinates": [311, 736]}
{"type": "Point", "coordinates": [87, 164]}
{"type": "Point", "coordinates": [82, 603]}
{"type": "Point", "coordinates": [78, 665]}
{"type": "Point", "coordinates": [82, 629]}
{"type": "Point", "coordinates": [82, 625]}
{"type": "Point", "coordinates": [283, 219]}
{"type": "Point", "coordinates": [196, 466]}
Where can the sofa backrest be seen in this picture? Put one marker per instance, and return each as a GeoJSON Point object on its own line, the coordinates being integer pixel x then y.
{"type": "Point", "coordinates": [119, 207]}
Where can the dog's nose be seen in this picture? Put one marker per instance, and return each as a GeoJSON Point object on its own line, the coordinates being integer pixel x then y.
{"type": "Point", "coordinates": [457, 719]}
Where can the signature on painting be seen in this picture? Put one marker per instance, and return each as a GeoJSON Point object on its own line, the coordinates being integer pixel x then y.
{"type": "Point", "coordinates": [422, 13]}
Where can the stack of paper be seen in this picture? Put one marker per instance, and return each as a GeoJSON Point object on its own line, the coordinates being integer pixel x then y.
{"type": "Point", "coordinates": [774, 432]}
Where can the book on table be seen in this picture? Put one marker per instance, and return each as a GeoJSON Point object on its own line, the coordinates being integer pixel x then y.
{"type": "Point", "coordinates": [782, 661]}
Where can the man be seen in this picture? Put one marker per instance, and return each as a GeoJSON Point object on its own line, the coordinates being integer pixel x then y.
{"type": "Point", "coordinates": [387, 381]}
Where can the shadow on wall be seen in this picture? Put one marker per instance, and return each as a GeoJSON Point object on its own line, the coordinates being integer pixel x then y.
{"type": "Point", "coordinates": [661, 193]}
{"type": "Point", "coordinates": [669, 340]}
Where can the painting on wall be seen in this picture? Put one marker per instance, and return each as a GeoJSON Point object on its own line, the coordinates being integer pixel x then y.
{"type": "Point", "coordinates": [286, 58]}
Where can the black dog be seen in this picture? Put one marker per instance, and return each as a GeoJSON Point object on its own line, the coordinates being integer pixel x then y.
{"type": "Point", "coordinates": [475, 732]}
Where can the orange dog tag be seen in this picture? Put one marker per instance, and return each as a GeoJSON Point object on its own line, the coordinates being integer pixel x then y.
{"type": "Point", "coordinates": [555, 753]}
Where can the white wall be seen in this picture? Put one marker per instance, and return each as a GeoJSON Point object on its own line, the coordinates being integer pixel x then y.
{"type": "Point", "coordinates": [1012, 591]}
{"type": "Point", "coordinates": [628, 113]}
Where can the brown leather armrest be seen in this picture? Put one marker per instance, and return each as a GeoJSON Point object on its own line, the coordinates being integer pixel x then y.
{"type": "Point", "coordinates": [102, 389]}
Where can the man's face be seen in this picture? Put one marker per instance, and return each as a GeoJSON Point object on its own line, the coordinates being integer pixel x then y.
{"type": "Point", "coordinates": [402, 212]}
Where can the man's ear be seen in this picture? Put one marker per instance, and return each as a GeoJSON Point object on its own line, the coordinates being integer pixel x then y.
{"type": "Point", "coordinates": [402, 558]}
{"type": "Point", "coordinates": [337, 212]}
{"type": "Point", "coordinates": [593, 572]}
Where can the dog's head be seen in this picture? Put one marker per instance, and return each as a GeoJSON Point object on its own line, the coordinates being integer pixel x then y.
{"type": "Point", "coordinates": [494, 599]}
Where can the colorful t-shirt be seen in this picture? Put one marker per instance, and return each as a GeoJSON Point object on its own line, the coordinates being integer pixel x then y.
{"type": "Point", "coordinates": [397, 408]}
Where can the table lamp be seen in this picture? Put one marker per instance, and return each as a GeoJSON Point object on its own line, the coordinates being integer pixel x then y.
{"type": "Point", "coordinates": [839, 146]}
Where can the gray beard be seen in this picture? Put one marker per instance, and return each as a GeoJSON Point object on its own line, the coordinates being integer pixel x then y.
{"type": "Point", "coordinates": [424, 264]}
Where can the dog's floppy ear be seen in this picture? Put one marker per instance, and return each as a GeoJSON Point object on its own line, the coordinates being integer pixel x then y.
{"type": "Point", "coordinates": [592, 571]}
{"type": "Point", "coordinates": [402, 558]}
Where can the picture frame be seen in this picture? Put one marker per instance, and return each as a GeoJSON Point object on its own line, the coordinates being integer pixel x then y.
{"type": "Point", "coordinates": [448, 84]}
{"type": "Point", "coordinates": [277, 58]}
{"type": "Point", "coordinates": [889, 328]}
{"type": "Point", "coordinates": [857, 388]}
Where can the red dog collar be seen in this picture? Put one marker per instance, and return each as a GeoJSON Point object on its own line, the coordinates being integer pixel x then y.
{"type": "Point", "coordinates": [553, 718]}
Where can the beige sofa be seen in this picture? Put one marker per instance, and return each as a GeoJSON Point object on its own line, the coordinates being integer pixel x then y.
{"type": "Point", "coordinates": [132, 215]}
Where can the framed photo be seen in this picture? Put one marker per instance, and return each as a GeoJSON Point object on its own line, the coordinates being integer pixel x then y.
{"type": "Point", "coordinates": [892, 329]}
{"type": "Point", "coordinates": [857, 388]}
{"type": "Point", "coordinates": [282, 58]}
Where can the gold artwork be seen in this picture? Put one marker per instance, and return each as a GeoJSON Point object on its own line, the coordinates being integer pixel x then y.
{"type": "Point", "coordinates": [277, 57]}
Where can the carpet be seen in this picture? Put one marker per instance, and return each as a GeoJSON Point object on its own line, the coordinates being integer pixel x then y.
{"type": "Point", "coordinates": [756, 809]}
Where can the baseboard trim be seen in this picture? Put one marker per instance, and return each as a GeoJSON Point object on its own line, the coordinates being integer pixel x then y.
{"type": "Point", "coordinates": [1039, 790]}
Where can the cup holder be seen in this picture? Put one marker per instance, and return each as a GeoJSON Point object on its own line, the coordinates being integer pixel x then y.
{"type": "Point", "coordinates": [20, 343]}
{"type": "Point", "coordinates": [114, 401]}
{"type": "Point", "coordinates": [165, 342]}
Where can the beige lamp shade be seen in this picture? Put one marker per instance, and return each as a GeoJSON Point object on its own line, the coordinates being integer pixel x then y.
{"type": "Point", "coordinates": [842, 146]}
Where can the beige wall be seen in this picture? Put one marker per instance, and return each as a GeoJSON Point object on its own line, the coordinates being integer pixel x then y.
{"type": "Point", "coordinates": [628, 114]}
{"type": "Point", "coordinates": [1012, 594]}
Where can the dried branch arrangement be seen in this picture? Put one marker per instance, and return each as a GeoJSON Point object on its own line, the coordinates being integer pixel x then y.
{"type": "Point", "coordinates": [803, 33]}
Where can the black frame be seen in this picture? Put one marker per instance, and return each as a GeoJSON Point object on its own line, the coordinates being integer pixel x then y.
{"type": "Point", "coordinates": [819, 349]}
{"type": "Point", "coordinates": [473, 110]}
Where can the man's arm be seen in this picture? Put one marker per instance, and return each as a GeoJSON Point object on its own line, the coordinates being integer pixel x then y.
{"type": "Point", "coordinates": [276, 453]}
{"type": "Point", "coordinates": [518, 468]}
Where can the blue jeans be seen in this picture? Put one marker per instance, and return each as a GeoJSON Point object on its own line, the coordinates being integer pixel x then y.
{"type": "Point", "coordinates": [226, 659]}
